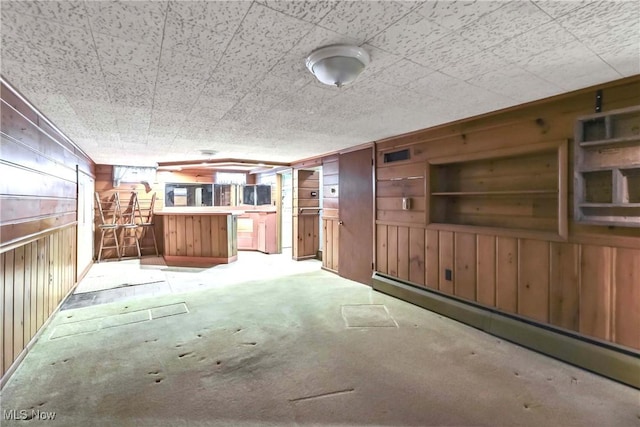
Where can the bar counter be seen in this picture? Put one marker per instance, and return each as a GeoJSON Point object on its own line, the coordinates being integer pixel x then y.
{"type": "Point", "coordinates": [199, 237]}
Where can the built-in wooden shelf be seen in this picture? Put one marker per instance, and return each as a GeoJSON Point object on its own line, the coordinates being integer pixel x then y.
{"type": "Point", "coordinates": [518, 191]}
{"type": "Point", "coordinates": [607, 168]}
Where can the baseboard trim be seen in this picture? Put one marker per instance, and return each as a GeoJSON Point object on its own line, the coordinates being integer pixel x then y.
{"type": "Point", "coordinates": [609, 360]}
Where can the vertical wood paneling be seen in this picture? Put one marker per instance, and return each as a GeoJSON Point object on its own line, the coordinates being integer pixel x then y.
{"type": "Point", "coordinates": [8, 308]}
{"type": "Point", "coordinates": [595, 291]}
{"type": "Point", "coordinates": [416, 255]}
{"type": "Point", "coordinates": [445, 242]}
{"type": "Point", "coordinates": [188, 228]}
{"type": "Point", "coordinates": [432, 258]}
{"type": "Point", "coordinates": [26, 310]}
{"type": "Point", "coordinates": [33, 305]}
{"type": "Point", "coordinates": [42, 279]}
{"type": "Point", "coordinates": [335, 245]}
{"type": "Point", "coordinates": [18, 302]}
{"type": "Point", "coordinates": [180, 235]}
{"type": "Point", "coordinates": [392, 254]}
{"type": "Point", "coordinates": [403, 253]}
{"type": "Point", "coordinates": [2, 308]}
{"type": "Point", "coordinates": [627, 297]}
{"type": "Point", "coordinates": [197, 234]}
{"type": "Point", "coordinates": [465, 265]}
{"type": "Point", "coordinates": [564, 285]}
{"type": "Point", "coordinates": [486, 270]}
{"type": "Point", "coordinates": [381, 249]}
{"type": "Point", "coordinates": [507, 274]}
{"type": "Point", "coordinates": [533, 279]}
{"type": "Point", "coordinates": [326, 247]}
{"type": "Point", "coordinates": [205, 233]}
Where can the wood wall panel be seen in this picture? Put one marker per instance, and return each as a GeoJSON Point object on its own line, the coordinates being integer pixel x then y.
{"type": "Point", "coordinates": [465, 265]}
{"type": "Point", "coordinates": [486, 270]}
{"type": "Point", "coordinates": [38, 194]}
{"type": "Point", "coordinates": [533, 279]}
{"type": "Point", "coordinates": [587, 282]}
{"type": "Point", "coordinates": [403, 253]}
{"type": "Point", "coordinates": [432, 259]}
{"type": "Point", "coordinates": [564, 285]}
{"type": "Point", "coordinates": [35, 278]}
{"type": "Point", "coordinates": [306, 221]}
{"type": "Point", "coordinates": [446, 259]}
{"type": "Point", "coordinates": [627, 297]}
{"type": "Point", "coordinates": [507, 274]}
{"type": "Point", "coordinates": [416, 255]}
{"type": "Point", "coordinates": [595, 291]}
{"type": "Point", "coordinates": [381, 249]}
{"type": "Point", "coordinates": [392, 250]}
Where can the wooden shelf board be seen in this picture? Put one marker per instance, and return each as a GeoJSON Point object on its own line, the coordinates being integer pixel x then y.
{"type": "Point", "coordinates": [493, 193]}
{"type": "Point", "coordinates": [610, 205]}
{"type": "Point", "coordinates": [622, 140]}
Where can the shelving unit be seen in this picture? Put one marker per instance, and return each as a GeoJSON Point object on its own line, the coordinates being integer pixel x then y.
{"type": "Point", "coordinates": [607, 168]}
{"type": "Point", "coordinates": [517, 191]}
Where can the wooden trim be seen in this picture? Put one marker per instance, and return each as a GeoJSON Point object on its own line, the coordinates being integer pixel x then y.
{"type": "Point", "coordinates": [302, 258]}
{"type": "Point", "coordinates": [33, 237]}
{"type": "Point", "coordinates": [196, 261]}
{"type": "Point", "coordinates": [329, 270]}
{"type": "Point", "coordinates": [563, 190]}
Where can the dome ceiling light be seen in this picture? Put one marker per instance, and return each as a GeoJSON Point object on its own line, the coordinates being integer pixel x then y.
{"type": "Point", "coordinates": [337, 65]}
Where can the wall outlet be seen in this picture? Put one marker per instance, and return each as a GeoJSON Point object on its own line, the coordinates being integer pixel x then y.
{"type": "Point", "coordinates": [448, 274]}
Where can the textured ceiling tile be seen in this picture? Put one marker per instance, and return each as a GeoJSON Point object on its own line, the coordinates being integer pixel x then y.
{"type": "Point", "coordinates": [456, 14]}
{"type": "Point", "coordinates": [212, 108]}
{"type": "Point", "coordinates": [445, 52]}
{"type": "Point", "coordinates": [319, 37]}
{"type": "Point", "coordinates": [363, 20]}
{"type": "Point", "coordinates": [557, 8]}
{"type": "Point", "coordinates": [604, 25]}
{"type": "Point", "coordinates": [538, 40]}
{"type": "Point", "coordinates": [473, 65]}
{"type": "Point", "coordinates": [508, 21]}
{"type": "Point", "coordinates": [624, 59]}
{"type": "Point", "coordinates": [571, 66]}
{"type": "Point", "coordinates": [310, 11]}
{"type": "Point", "coordinates": [232, 82]}
{"type": "Point", "coordinates": [195, 40]}
{"type": "Point", "coordinates": [124, 57]}
{"type": "Point", "coordinates": [129, 94]}
{"type": "Point", "coordinates": [131, 20]}
{"type": "Point", "coordinates": [265, 27]}
{"type": "Point", "coordinates": [410, 34]}
{"type": "Point", "coordinates": [292, 68]}
{"type": "Point", "coordinates": [218, 16]}
{"type": "Point", "coordinates": [241, 53]}
{"type": "Point", "coordinates": [65, 12]}
{"type": "Point", "coordinates": [185, 66]}
{"type": "Point", "coordinates": [515, 83]}
{"type": "Point", "coordinates": [176, 93]}
{"type": "Point", "coordinates": [402, 73]}
{"type": "Point", "coordinates": [379, 60]}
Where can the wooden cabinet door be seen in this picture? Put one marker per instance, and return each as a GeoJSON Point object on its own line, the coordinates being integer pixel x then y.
{"type": "Point", "coordinates": [356, 215]}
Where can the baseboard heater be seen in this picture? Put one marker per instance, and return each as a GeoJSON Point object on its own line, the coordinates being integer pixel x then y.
{"type": "Point", "coordinates": [605, 359]}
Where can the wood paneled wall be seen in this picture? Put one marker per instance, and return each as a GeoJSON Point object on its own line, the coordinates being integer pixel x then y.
{"type": "Point", "coordinates": [306, 216]}
{"type": "Point", "coordinates": [38, 221]}
{"type": "Point", "coordinates": [588, 283]}
{"type": "Point", "coordinates": [331, 213]}
{"type": "Point", "coordinates": [35, 277]}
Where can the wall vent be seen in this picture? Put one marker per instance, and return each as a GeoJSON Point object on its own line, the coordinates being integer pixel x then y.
{"type": "Point", "coordinates": [396, 156]}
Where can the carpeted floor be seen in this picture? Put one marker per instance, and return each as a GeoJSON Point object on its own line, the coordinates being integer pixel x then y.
{"type": "Point", "coordinates": [271, 342]}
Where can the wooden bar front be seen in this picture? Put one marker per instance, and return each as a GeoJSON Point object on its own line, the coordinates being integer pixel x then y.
{"type": "Point", "coordinates": [199, 237]}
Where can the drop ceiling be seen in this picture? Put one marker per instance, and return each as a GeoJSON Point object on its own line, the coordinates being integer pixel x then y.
{"type": "Point", "coordinates": [142, 82]}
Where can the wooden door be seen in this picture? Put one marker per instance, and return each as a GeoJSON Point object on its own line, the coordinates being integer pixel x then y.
{"type": "Point", "coordinates": [356, 215]}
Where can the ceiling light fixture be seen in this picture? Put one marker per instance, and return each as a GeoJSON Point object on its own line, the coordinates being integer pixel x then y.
{"type": "Point", "coordinates": [337, 65]}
